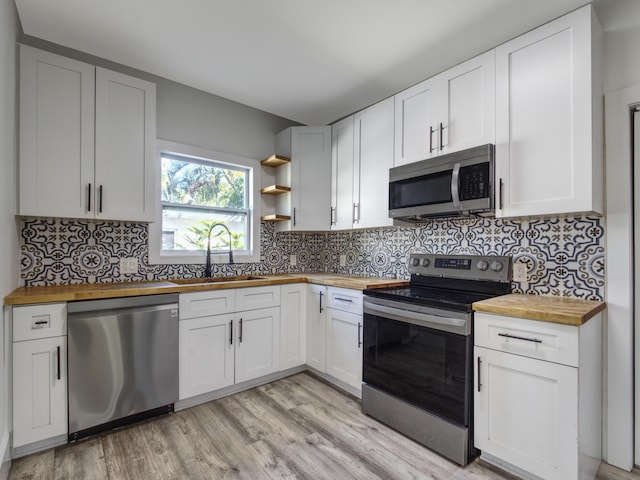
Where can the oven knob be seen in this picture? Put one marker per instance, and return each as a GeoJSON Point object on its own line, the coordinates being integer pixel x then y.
{"type": "Point", "coordinates": [415, 262]}
{"type": "Point", "coordinates": [482, 265]}
{"type": "Point", "coordinates": [496, 266]}
{"type": "Point", "coordinates": [425, 262]}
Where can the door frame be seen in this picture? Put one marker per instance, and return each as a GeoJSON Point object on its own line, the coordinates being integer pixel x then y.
{"type": "Point", "coordinates": [619, 329]}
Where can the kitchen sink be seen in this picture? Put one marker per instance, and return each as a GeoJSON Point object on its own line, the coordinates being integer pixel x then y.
{"type": "Point", "coordinates": [207, 280]}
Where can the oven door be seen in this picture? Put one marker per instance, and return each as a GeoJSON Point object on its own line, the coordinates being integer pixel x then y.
{"type": "Point", "coordinates": [422, 357]}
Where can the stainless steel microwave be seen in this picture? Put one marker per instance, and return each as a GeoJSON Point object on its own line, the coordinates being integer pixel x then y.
{"type": "Point", "coordinates": [458, 183]}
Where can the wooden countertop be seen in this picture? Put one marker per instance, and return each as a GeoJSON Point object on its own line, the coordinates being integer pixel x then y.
{"type": "Point", "coordinates": [568, 311]}
{"type": "Point", "coordinates": [65, 293]}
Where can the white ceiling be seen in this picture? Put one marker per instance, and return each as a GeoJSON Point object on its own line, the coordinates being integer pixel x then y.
{"type": "Point", "coordinates": [312, 61]}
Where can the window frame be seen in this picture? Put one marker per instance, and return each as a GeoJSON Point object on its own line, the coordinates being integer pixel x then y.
{"type": "Point", "coordinates": [251, 254]}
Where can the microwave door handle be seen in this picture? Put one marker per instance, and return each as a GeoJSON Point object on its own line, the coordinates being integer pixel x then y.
{"type": "Point", "coordinates": [455, 190]}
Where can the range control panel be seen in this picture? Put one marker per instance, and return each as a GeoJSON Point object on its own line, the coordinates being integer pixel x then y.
{"type": "Point", "coordinates": [493, 268]}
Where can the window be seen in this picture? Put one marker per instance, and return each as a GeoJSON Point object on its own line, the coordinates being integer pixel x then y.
{"type": "Point", "coordinates": [199, 189]}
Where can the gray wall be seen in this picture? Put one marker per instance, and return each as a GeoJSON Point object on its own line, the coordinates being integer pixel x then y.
{"type": "Point", "coordinates": [193, 117]}
{"type": "Point", "coordinates": [9, 249]}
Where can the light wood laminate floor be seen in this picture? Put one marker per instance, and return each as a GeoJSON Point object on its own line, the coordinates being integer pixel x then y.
{"type": "Point", "coordinates": [295, 428]}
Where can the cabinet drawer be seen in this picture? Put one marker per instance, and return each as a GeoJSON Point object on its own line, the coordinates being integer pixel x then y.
{"type": "Point", "coordinates": [345, 299]}
{"type": "Point", "coordinates": [203, 304]}
{"type": "Point", "coordinates": [531, 338]}
{"type": "Point", "coordinates": [39, 321]}
{"type": "Point", "coordinates": [253, 298]}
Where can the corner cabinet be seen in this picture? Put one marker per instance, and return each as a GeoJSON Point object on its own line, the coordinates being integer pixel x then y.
{"type": "Point", "coordinates": [303, 184]}
{"type": "Point", "coordinates": [549, 119]}
{"type": "Point", "coordinates": [362, 153]}
{"type": "Point", "coordinates": [446, 113]}
{"type": "Point", "coordinates": [39, 374]}
{"type": "Point", "coordinates": [86, 140]}
{"type": "Point", "coordinates": [538, 396]}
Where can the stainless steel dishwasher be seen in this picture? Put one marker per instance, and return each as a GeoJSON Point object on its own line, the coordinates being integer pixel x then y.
{"type": "Point", "coordinates": [122, 360]}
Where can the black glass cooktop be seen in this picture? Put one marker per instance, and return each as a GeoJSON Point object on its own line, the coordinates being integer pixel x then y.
{"type": "Point", "coordinates": [454, 300]}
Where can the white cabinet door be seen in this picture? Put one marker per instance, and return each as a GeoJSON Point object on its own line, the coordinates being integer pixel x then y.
{"type": "Point", "coordinates": [125, 147]}
{"type": "Point", "coordinates": [446, 113]}
{"type": "Point", "coordinates": [342, 174]}
{"type": "Point", "coordinates": [317, 327]}
{"type": "Point", "coordinates": [87, 140]}
{"type": "Point", "coordinates": [206, 354]}
{"type": "Point", "coordinates": [548, 114]}
{"type": "Point", "coordinates": [39, 390]}
{"type": "Point", "coordinates": [467, 104]}
{"type": "Point", "coordinates": [293, 325]}
{"type": "Point", "coordinates": [56, 135]}
{"type": "Point", "coordinates": [257, 343]}
{"type": "Point", "coordinates": [416, 123]}
{"type": "Point", "coordinates": [344, 347]}
{"type": "Point", "coordinates": [526, 413]}
{"type": "Point", "coordinates": [310, 178]}
{"type": "Point", "coordinates": [373, 134]}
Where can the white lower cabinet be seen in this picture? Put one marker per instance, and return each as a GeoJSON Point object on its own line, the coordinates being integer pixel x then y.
{"type": "Point", "coordinates": [206, 354]}
{"type": "Point", "coordinates": [537, 396]}
{"type": "Point", "coordinates": [293, 334]}
{"type": "Point", "coordinates": [317, 327]}
{"type": "Point", "coordinates": [344, 347]}
{"type": "Point", "coordinates": [39, 373]}
{"type": "Point", "coordinates": [257, 347]}
{"type": "Point", "coordinates": [220, 347]}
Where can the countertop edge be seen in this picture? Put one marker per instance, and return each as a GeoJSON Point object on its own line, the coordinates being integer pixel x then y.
{"type": "Point", "coordinates": [69, 293]}
{"type": "Point", "coordinates": [535, 308]}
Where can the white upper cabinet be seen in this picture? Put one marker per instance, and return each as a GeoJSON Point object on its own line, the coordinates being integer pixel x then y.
{"type": "Point", "coordinates": [373, 134]}
{"type": "Point", "coordinates": [57, 111]}
{"type": "Point", "coordinates": [86, 140]}
{"type": "Point", "coordinates": [125, 137]}
{"type": "Point", "coordinates": [446, 113]}
{"type": "Point", "coordinates": [549, 119]}
{"type": "Point", "coordinates": [362, 154]}
{"type": "Point", "coordinates": [308, 175]}
{"type": "Point", "coordinates": [342, 174]}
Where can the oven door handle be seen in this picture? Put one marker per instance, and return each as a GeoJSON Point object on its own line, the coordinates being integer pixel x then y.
{"type": "Point", "coordinates": [417, 318]}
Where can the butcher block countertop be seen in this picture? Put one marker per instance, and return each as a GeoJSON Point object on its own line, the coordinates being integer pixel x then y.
{"type": "Point", "coordinates": [568, 311]}
{"type": "Point", "coordinates": [92, 291]}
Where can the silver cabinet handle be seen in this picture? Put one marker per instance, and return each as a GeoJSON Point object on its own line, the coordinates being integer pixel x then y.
{"type": "Point", "coordinates": [333, 215]}
{"type": "Point", "coordinates": [100, 199]}
{"type": "Point", "coordinates": [89, 198]}
{"type": "Point", "coordinates": [321, 294]}
{"type": "Point", "coordinates": [240, 336]}
{"type": "Point", "coordinates": [230, 332]}
{"type": "Point", "coordinates": [479, 364]}
{"type": "Point", "coordinates": [501, 188]}
{"type": "Point", "coordinates": [294, 216]}
{"type": "Point", "coordinates": [515, 337]}
{"type": "Point", "coordinates": [441, 128]}
{"type": "Point", "coordinates": [359, 336]}
{"type": "Point", "coordinates": [431, 130]}
{"type": "Point", "coordinates": [348, 300]}
{"type": "Point", "coordinates": [356, 212]}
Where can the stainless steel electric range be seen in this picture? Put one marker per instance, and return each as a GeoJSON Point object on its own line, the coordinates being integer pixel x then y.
{"type": "Point", "coordinates": [418, 349]}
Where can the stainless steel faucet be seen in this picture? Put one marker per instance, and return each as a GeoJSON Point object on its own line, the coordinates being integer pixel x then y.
{"type": "Point", "coordinates": [207, 267]}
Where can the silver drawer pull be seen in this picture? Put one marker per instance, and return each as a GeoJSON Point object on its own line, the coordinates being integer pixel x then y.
{"type": "Point", "coordinates": [515, 337]}
{"type": "Point", "coordinates": [348, 300]}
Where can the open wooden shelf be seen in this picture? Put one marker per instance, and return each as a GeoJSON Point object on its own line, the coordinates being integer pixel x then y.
{"type": "Point", "coordinates": [275, 190]}
{"type": "Point", "coordinates": [275, 218]}
{"type": "Point", "coordinates": [275, 161]}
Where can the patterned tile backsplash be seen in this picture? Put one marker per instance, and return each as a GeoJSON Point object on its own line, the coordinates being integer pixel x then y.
{"type": "Point", "coordinates": [564, 256]}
